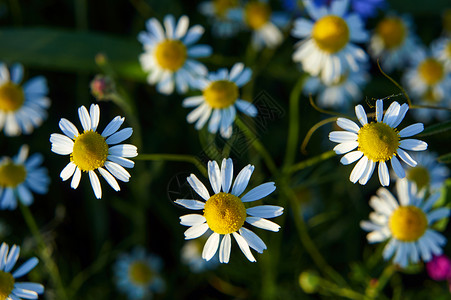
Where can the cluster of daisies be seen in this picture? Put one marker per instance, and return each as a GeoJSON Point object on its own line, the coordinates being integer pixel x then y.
{"type": "Point", "coordinates": [330, 49]}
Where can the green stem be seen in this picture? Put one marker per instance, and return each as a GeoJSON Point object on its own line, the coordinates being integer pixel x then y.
{"type": "Point", "coordinates": [293, 127]}
{"type": "Point", "coordinates": [258, 146]}
{"type": "Point", "coordinates": [381, 282]}
{"type": "Point", "coordinates": [174, 157]}
{"type": "Point", "coordinates": [44, 252]}
{"type": "Point", "coordinates": [312, 130]}
{"type": "Point", "coordinates": [330, 287]}
{"type": "Point", "coordinates": [311, 161]}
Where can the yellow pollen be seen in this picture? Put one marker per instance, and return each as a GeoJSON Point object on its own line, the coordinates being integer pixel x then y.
{"type": "Point", "coordinates": [6, 285]}
{"type": "Point", "coordinates": [330, 33]}
{"type": "Point", "coordinates": [222, 6]}
{"type": "Point", "coordinates": [419, 175]}
{"type": "Point", "coordinates": [11, 175]}
{"type": "Point", "coordinates": [431, 71]}
{"type": "Point", "coordinates": [90, 151]}
{"type": "Point", "coordinates": [392, 31]}
{"type": "Point", "coordinates": [257, 14]}
{"type": "Point", "coordinates": [11, 97]}
{"type": "Point", "coordinates": [221, 94]}
{"type": "Point", "coordinates": [140, 273]}
{"type": "Point", "coordinates": [407, 223]}
{"type": "Point", "coordinates": [378, 141]}
{"type": "Point", "coordinates": [225, 213]}
{"type": "Point", "coordinates": [171, 54]}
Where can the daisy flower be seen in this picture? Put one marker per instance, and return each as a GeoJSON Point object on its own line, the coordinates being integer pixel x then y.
{"type": "Point", "coordinates": [220, 99]}
{"type": "Point", "coordinates": [19, 177]}
{"type": "Point", "coordinates": [428, 172]}
{"type": "Point", "coordinates": [91, 151]}
{"type": "Point", "coordinates": [217, 12]}
{"type": "Point", "coordinates": [138, 274]}
{"type": "Point", "coordinates": [340, 94]}
{"type": "Point", "coordinates": [224, 212]}
{"type": "Point", "coordinates": [406, 223]}
{"type": "Point", "coordinates": [265, 24]}
{"type": "Point", "coordinates": [443, 48]}
{"type": "Point", "coordinates": [428, 82]}
{"type": "Point", "coordinates": [365, 8]}
{"type": "Point", "coordinates": [327, 47]}
{"type": "Point", "coordinates": [22, 108]}
{"type": "Point", "coordinates": [392, 42]}
{"type": "Point", "coordinates": [191, 255]}
{"type": "Point", "coordinates": [170, 53]}
{"type": "Point", "coordinates": [377, 142]}
{"type": "Point", "coordinates": [9, 288]}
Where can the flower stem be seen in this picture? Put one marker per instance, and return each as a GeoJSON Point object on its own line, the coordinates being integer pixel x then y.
{"type": "Point", "coordinates": [312, 130]}
{"type": "Point", "coordinates": [44, 252]}
{"type": "Point", "coordinates": [174, 157]}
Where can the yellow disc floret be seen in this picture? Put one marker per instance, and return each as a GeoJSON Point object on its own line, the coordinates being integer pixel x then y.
{"type": "Point", "coordinates": [222, 6]}
{"type": "Point", "coordinates": [257, 14]}
{"type": "Point", "coordinates": [11, 175]}
{"type": "Point", "coordinates": [331, 33]}
{"type": "Point", "coordinates": [11, 97]}
{"type": "Point", "coordinates": [140, 273]}
{"type": "Point", "coordinates": [431, 70]}
{"type": "Point", "coordinates": [392, 31]}
{"type": "Point", "coordinates": [419, 175]}
{"type": "Point", "coordinates": [221, 93]}
{"type": "Point", "coordinates": [378, 141]}
{"type": "Point", "coordinates": [6, 285]}
{"type": "Point", "coordinates": [90, 151]}
{"type": "Point", "coordinates": [171, 54]}
{"type": "Point", "coordinates": [407, 223]}
{"type": "Point", "coordinates": [225, 213]}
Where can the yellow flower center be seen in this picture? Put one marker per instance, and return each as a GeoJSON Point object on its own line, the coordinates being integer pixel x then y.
{"type": "Point", "coordinates": [90, 151]}
{"type": "Point", "coordinates": [331, 33]}
{"type": "Point", "coordinates": [225, 213]}
{"type": "Point", "coordinates": [6, 285]}
{"type": "Point", "coordinates": [407, 223]}
{"type": "Point", "coordinates": [392, 31]}
{"type": "Point", "coordinates": [430, 97]}
{"type": "Point", "coordinates": [140, 273]}
{"type": "Point", "coordinates": [171, 54]}
{"type": "Point", "coordinates": [378, 141]}
{"type": "Point", "coordinates": [11, 175]}
{"type": "Point", "coordinates": [222, 6]}
{"type": "Point", "coordinates": [447, 20]}
{"type": "Point", "coordinates": [221, 93]}
{"type": "Point", "coordinates": [431, 70]}
{"type": "Point", "coordinates": [419, 175]}
{"type": "Point", "coordinates": [257, 14]}
{"type": "Point", "coordinates": [11, 97]}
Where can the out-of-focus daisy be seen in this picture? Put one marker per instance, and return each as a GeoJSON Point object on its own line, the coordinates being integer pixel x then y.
{"type": "Point", "coordinates": [338, 95]}
{"type": "Point", "coordinates": [91, 151]}
{"type": "Point", "coordinates": [377, 142]}
{"type": "Point", "coordinates": [220, 99]}
{"type": "Point", "coordinates": [365, 8]}
{"type": "Point", "coordinates": [19, 177]}
{"type": "Point", "coordinates": [406, 223]}
{"type": "Point", "coordinates": [170, 53]}
{"type": "Point", "coordinates": [428, 82]}
{"type": "Point", "coordinates": [392, 42]}
{"type": "Point", "coordinates": [327, 47]}
{"type": "Point", "coordinates": [191, 255]}
{"type": "Point", "coordinates": [428, 172]}
{"type": "Point", "coordinates": [137, 274]}
{"type": "Point", "coordinates": [447, 21]}
{"type": "Point", "coordinates": [22, 108]}
{"type": "Point", "coordinates": [224, 212]}
{"type": "Point", "coordinates": [218, 13]}
{"type": "Point", "coordinates": [443, 48]}
{"type": "Point", "coordinates": [10, 289]}
{"type": "Point", "coordinates": [265, 24]}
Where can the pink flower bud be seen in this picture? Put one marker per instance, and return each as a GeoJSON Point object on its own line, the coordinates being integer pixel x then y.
{"type": "Point", "coordinates": [439, 268]}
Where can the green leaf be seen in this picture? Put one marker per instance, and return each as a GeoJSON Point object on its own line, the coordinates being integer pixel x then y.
{"type": "Point", "coordinates": [72, 51]}
{"type": "Point", "coordinates": [446, 158]}
{"type": "Point", "coordinates": [436, 128]}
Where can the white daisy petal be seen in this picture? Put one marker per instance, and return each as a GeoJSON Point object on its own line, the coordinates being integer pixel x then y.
{"type": "Point", "coordinates": [244, 247]}
{"type": "Point", "coordinates": [12, 257]}
{"type": "Point", "coordinates": [24, 293]}
{"type": "Point", "coordinates": [35, 287]}
{"type": "Point", "coordinates": [345, 147]}
{"type": "Point", "coordinates": [25, 267]}
{"type": "Point", "coordinates": [198, 186]}
{"type": "Point", "coordinates": [411, 130]}
{"type": "Point", "coordinates": [113, 126]}
{"type": "Point", "coordinates": [196, 231]}
{"type": "Point", "coordinates": [226, 174]}
{"type": "Point", "coordinates": [192, 220]}
{"type": "Point", "coordinates": [211, 246]}
{"type": "Point", "coordinates": [361, 114]}
{"type": "Point", "coordinates": [265, 211]}
{"type": "Point", "coordinates": [402, 112]}
{"type": "Point", "coordinates": [68, 128]}
{"type": "Point", "coordinates": [191, 204]}
{"type": "Point", "coordinates": [61, 144]}
{"type": "Point", "coordinates": [438, 214]}
{"type": "Point", "coordinates": [342, 136]}
{"type": "Point", "coordinates": [119, 136]}
{"type": "Point", "coordinates": [224, 249]}
{"type": "Point", "coordinates": [123, 150]}
{"type": "Point", "coordinates": [242, 180]}
{"type": "Point", "coordinates": [127, 163]}
{"type": "Point", "coordinates": [259, 192]}
{"type": "Point", "coordinates": [76, 178]}
{"type": "Point", "coordinates": [396, 165]}
{"type": "Point", "coordinates": [85, 119]}
{"type": "Point", "coordinates": [413, 145]}
{"type": "Point", "coordinates": [117, 171]}
{"type": "Point", "coordinates": [351, 157]}
{"type": "Point", "coordinates": [348, 125]}
{"type": "Point", "coordinates": [406, 158]}
{"type": "Point", "coordinates": [68, 171]}
{"type": "Point", "coordinates": [263, 223]}
{"type": "Point", "coordinates": [358, 170]}
{"type": "Point", "coordinates": [368, 172]}
{"type": "Point", "coordinates": [384, 176]}
{"type": "Point", "coordinates": [94, 112]}
{"type": "Point", "coordinates": [214, 174]}
{"type": "Point", "coordinates": [95, 183]}
{"type": "Point", "coordinates": [253, 240]}
{"type": "Point", "coordinates": [109, 178]}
